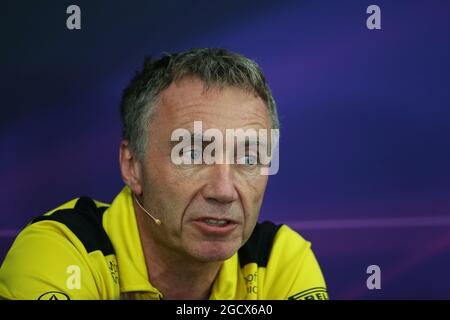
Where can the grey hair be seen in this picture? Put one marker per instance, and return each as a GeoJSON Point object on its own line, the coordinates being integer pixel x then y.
{"type": "Point", "coordinates": [213, 66]}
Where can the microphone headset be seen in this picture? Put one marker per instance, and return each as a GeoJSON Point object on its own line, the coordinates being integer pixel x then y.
{"type": "Point", "coordinates": [157, 221]}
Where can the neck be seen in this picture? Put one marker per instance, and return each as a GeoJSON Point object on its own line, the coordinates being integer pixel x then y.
{"type": "Point", "coordinates": [175, 276]}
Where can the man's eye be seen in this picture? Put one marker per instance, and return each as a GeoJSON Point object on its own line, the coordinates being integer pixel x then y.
{"type": "Point", "coordinates": [250, 160]}
{"type": "Point", "coordinates": [191, 154]}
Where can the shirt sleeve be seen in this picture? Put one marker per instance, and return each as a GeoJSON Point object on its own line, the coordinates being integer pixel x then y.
{"type": "Point", "coordinates": [308, 284]}
{"type": "Point", "coordinates": [45, 263]}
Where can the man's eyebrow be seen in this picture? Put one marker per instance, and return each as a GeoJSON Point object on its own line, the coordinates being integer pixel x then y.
{"type": "Point", "coordinates": [192, 136]}
{"type": "Point", "coordinates": [199, 136]}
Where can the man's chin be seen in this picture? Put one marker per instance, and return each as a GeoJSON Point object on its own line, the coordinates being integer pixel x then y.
{"type": "Point", "coordinates": [213, 252]}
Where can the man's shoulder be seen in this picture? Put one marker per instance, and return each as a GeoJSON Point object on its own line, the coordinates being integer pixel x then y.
{"type": "Point", "coordinates": [282, 263]}
{"type": "Point", "coordinates": [75, 226]}
{"type": "Point", "coordinates": [50, 246]}
{"type": "Point", "coordinates": [267, 240]}
{"type": "Point", "coordinates": [80, 218]}
{"type": "Point", "coordinates": [80, 204]}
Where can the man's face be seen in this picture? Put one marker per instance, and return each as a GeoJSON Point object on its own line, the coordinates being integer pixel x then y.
{"type": "Point", "coordinates": [207, 211]}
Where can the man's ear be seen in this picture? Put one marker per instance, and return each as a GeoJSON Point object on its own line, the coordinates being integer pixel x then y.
{"type": "Point", "coordinates": [130, 168]}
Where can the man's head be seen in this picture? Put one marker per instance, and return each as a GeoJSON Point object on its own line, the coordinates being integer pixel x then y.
{"type": "Point", "coordinates": [208, 211]}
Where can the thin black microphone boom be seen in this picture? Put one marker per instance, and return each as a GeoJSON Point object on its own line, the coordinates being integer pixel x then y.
{"type": "Point", "coordinates": [157, 221]}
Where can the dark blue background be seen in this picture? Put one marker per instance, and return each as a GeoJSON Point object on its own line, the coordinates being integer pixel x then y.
{"type": "Point", "coordinates": [365, 150]}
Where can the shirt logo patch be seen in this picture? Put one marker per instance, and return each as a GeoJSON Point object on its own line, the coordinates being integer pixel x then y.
{"type": "Point", "coordinates": [114, 270]}
{"type": "Point", "coordinates": [251, 283]}
{"type": "Point", "coordinates": [54, 295]}
{"type": "Point", "coordinates": [317, 293]}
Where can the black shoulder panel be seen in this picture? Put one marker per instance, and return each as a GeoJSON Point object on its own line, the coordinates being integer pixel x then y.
{"type": "Point", "coordinates": [258, 247]}
{"type": "Point", "coordinates": [85, 221]}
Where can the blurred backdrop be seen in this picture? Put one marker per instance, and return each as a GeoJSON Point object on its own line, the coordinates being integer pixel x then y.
{"type": "Point", "coordinates": [365, 151]}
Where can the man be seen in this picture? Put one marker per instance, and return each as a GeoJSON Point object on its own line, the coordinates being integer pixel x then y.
{"type": "Point", "coordinates": [180, 229]}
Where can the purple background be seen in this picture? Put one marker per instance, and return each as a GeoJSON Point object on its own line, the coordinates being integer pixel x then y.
{"type": "Point", "coordinates": [365, 150]}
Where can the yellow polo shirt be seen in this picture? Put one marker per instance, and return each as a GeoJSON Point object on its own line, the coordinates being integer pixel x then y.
{"type": "Point", "coordinates": [86, 249]}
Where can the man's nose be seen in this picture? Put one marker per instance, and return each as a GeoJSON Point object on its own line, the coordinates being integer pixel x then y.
{"type": "Point", "coordinates": [220, 184]}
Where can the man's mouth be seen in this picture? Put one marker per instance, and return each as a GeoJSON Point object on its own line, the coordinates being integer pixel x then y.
{"type": "Point", "coordinates": [209, 225]}
{"type": "Point", "coordinates": [215, 222]}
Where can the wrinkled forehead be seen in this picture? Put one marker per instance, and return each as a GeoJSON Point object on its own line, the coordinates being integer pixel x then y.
{"type": "Point", "coordinates": [188, 100]}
